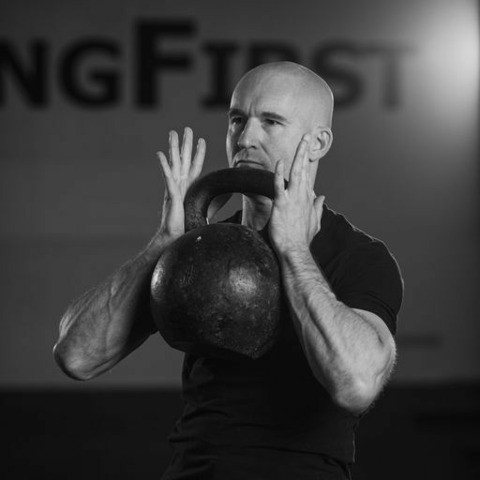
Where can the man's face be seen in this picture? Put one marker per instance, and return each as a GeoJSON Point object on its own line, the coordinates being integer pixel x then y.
{"type": "Point", "coordinates": [268, 116]}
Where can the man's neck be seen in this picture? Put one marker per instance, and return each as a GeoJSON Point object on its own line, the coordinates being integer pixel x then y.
{"type": "Point", "coordinates": [256, 211]}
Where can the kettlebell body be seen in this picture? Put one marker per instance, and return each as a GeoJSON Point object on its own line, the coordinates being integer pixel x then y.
{"type": "Point", "coordinates": [216, 291]}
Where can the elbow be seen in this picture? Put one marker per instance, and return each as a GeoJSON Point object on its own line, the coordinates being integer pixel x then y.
{"type": "Point", "coordinates": [71, 366]}
{"type": "Point", "coordinates": [359, 393]}
{"type": "Point", "coordinates": [361, 389]}
{"type": "Point", "coordinates": [356, 398]}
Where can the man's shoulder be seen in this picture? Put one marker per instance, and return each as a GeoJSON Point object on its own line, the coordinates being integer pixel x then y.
{"type": "Point", "coordinates": [338, 236]}
{"type": "Point", "coordinates": [361, 269]}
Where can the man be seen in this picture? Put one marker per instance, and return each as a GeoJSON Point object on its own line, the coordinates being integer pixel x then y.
{"type": "Point", "coordinates": [292, 413]}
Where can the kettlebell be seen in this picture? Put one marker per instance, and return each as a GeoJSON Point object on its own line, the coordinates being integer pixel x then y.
{"type": "Point", "coordinates": [216, 291]}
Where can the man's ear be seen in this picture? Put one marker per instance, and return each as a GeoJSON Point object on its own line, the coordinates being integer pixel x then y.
{"type": "Point", "coordinates": [322, 141]}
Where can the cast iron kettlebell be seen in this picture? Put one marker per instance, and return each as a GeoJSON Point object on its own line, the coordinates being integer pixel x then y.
{"type": "Point", "coordinates": [216, 291]}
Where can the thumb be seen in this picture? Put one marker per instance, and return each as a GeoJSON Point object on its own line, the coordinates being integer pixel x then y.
{"type": "Point", "coordinates": [318, 204]}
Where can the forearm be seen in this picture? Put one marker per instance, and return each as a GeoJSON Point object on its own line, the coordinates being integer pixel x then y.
{"type": "Point", "coordinates": [345, 352]}
{"type": "Point", "coordinates": [109, 321]}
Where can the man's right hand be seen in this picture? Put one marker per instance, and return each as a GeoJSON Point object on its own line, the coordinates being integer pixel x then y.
{"type": "Point", "coordinates": [179, 172]}
{"type": "Point", "coordinates": [109, 321]}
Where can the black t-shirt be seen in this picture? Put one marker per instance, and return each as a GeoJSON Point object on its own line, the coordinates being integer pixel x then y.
{"type": "Point", "coordinates": [255, 409]}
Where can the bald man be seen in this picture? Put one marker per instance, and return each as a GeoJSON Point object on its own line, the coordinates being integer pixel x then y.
{"type": "Point", "coordinates": [292, 413]}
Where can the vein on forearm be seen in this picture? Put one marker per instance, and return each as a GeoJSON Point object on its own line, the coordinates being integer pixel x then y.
{"type": "Point", "coordinates": [338, 343]}
{"type": "Point", "coordinates": [109, 320]}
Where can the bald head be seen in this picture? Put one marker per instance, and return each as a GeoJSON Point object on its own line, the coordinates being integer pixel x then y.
{"type": "Point", "coordinates": [272, 108]}
{"type": "Point", "coordinates": [294, 80]}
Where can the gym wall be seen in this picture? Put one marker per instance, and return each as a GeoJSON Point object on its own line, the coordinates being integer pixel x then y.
{"type": "Point", "coordinates": [89, 91]}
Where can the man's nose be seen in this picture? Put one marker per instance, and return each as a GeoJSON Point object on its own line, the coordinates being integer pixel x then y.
{"type": "Point", "coordinates": [249, 136]}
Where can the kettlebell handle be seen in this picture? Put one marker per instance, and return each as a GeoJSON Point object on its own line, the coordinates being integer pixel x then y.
{"type": "Point", "coordinates": [229, 180]}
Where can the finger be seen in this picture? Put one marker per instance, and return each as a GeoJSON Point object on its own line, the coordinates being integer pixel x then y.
{"type": "Point", "coordinates": [279, 181]}
{"type": "Point", "coordinates": [170, 183]}
{"type": "Point", "coordinates": [318, 204]}
{"type": "Point", "coordinates": [298, 164]}
{"type": "Point", "coordinates": [305, 183]}
{"type": "Point", "coordinates": [197, 163]}
{"type": "Point", "coordinates": [186, 153]}
{"type": "Point", "coordinates": [173, 152]}
{"type": "Point", "coordinates": [306, 160]}
{"type": "Point", "coordinates": [164, 165]}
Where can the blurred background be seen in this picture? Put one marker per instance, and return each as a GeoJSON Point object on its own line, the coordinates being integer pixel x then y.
{"type": "Point", "coordinates": [88, 93]}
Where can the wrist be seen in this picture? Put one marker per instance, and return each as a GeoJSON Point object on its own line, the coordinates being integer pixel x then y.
{"type": "Point", "coordinates": [159, 242]}
{"type": "Point", "coordinates": [293, 252]}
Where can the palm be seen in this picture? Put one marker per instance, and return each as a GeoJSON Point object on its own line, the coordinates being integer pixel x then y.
{"type": "Point", "coordinates": [179, 172]}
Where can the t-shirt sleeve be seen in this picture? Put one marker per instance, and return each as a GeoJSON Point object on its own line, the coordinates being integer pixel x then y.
{"type": "Point", "coordinates": [372, 281]}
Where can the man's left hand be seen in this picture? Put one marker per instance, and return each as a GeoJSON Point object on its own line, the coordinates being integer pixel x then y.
{"type": "Point", "coordinates": [296, 211]}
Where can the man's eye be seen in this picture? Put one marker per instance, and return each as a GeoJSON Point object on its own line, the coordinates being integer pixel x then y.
{"type": "Point", "coordinates": [271, 121]}
{"type": "Point", "coordinates": [236, 120]}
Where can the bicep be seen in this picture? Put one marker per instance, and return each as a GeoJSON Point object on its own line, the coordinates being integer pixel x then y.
{"type": "Point", "coordinates": [372, 285]}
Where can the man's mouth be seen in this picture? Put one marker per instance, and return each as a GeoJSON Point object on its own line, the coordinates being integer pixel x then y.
{"type": "Point", "coordinates": [245, 162]}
